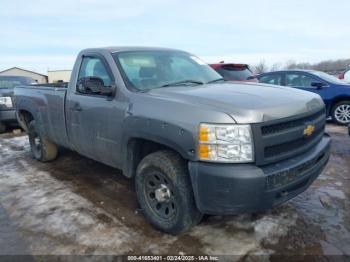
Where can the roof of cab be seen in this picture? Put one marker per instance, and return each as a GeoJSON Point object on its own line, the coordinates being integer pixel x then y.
{"type": "Point", "coordinates": [116, 49]}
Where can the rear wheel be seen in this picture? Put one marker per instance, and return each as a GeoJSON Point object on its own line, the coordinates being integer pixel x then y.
{"type": "Point", "coordinates": [165, 194]}
{"type": "Point", "coordinates": [42, 148]}
{"type": "Point", "coordinates": [2, 127]}
{"type": "Point", "coordinates": [341, 113]}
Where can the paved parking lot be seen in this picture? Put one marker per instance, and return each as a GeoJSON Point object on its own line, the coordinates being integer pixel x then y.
{"type": "Point", "coordinates": [78, 206]}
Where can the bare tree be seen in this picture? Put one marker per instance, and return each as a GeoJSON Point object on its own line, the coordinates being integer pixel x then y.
{"type": "Point", "coordinates": [290, 64]}
{"type": "Point", "coordinates": [330, 66]}
{"type": "Point", "coordinates": [261, 67]}
{"type": "Point", "coordinates": [276, 67]}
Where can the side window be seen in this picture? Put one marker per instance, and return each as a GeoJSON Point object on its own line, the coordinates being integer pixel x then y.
{"type": "Point", "coordinates": [272, 79]}
{"type": "Point", "coordinates": [93, 66]}
{"type": "Point", "coordinates": [299, 80]}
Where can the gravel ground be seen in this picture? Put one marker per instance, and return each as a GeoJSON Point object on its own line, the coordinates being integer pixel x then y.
{"type": "Point", "coordinates": [75, 205]}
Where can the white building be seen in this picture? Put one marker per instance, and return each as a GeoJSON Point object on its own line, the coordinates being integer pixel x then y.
{"type": "Point", "coordinates": [56, 76]}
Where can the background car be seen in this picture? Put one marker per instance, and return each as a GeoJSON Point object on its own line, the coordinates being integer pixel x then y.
{"type": "Point", "coordinates": [345, 75]}
{"type": "Point", "coordinates": [334, 92]}
{"type": "Point", "coordinates": [7, 111]}
{"type": "Point", "coordinates": [234, 72]}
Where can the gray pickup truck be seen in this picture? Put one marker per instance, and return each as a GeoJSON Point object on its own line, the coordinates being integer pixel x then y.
{"type": "Point", "coordinates": [7, 111]}
{"type": "Point", "coordinates": [193, 143]}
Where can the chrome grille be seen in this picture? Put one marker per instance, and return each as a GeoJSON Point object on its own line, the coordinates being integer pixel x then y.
{"type": "Point", "coordinates": [285, 138]}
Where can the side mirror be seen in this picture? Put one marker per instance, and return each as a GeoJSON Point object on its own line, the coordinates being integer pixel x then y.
{"type": "Point", "coordinates": [93, 85]}
{"type": "Point", "coordinates": [318, 85]}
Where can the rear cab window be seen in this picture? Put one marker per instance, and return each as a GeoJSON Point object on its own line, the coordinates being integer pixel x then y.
{"type": "Point", "coordinates": [9, 83]}
{"type": "Point", "coordinates": [13, 81]}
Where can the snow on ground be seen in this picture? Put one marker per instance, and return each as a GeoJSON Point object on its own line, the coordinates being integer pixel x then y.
{"type": "Point", "coordinates": [56, 218]}
{"type": "Point", "coordinates": [43, 205]}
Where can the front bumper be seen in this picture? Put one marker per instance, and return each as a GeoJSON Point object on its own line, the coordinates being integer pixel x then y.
{"type": "Point", "coordinates": [8, 115]}
{"type": "Point", "coordinates": [240, 188]}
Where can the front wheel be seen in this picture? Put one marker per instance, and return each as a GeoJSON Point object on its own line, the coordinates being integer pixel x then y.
{"type": "Point", "coordinates": [42, 148]}
{"type": "Point", "coordinates": [341, 113]}
{"type": "Point", "coordinates": [165, 193]}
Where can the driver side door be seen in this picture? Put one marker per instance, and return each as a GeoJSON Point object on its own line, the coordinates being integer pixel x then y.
{"type": "Point", "coordinates": [94, 119]}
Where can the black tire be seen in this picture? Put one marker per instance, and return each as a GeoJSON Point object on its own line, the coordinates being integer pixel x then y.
{"type": "Point", "coordinates": [178, 198]}
{"type": "Point", "coordinates": [341, 113]}
{"type": "Point", "coordinates": [42, 148]}
{"type": "Point", "coordinates": [2, 128]}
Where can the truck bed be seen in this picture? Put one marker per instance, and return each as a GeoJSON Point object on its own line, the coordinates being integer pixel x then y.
{"type": "Point", "coordinates": [49, 102]}
{"type": "Point", "coordinates": [55, 85]}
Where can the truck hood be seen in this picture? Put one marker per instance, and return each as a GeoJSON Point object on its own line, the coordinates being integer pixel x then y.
{"type": "Point", "coordinates": [245, 102]}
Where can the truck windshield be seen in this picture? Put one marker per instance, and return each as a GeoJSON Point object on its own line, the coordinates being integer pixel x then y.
{"type": "Point", "coordinates": [145, 70]}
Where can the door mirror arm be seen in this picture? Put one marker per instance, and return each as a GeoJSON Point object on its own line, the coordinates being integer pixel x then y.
{"type": "Point", "coordinates": [108, 90]}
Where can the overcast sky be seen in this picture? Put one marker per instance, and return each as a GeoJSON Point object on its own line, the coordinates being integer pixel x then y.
{"type": "Point", "coordinates": [42, 34]}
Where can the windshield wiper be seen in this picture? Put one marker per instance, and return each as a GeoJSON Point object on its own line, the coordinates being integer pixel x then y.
{"type": "Point", "coordinates": [183, 82]}
{"type": "Point", "coordinates": [216, 80]}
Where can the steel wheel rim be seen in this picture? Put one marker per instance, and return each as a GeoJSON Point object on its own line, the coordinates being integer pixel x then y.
{"type": "Point", "coordinates": [342, 114]}
{"type": "Point", "coordinates": [36, 142]}
{"type": "Point", "coordinates": [156, 186]}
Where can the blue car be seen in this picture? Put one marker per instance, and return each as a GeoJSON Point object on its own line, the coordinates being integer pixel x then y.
{"type": "Point", "coordinates": [334, 92]}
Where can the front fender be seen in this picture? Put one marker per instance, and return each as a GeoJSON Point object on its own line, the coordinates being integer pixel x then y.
{"type": "Point", "coordinates": [163, 133]}
{"type": "Point", "coordinates": [175, 137]}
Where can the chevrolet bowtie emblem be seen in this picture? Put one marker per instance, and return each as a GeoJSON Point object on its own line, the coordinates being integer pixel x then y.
{"type": "Point", "coordinates": [309, 130]}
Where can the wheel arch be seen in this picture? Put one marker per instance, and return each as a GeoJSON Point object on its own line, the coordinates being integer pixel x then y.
{"type": "Point", "coordinates": [138, 147]}
{"type": "Point", "coordinates": [337, 100]}
{"type": "Point", "coordinates": [24, 117]}
{"type": "Point", "coordinates": [142, 136]}
{"type": "Point", "coordinates": [332, 108]}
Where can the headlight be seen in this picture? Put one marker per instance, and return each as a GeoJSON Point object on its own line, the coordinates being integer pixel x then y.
{"type": "Point", "coordinates": [6, 101]}
{"type": "Point", "coordinates": [225, 143]}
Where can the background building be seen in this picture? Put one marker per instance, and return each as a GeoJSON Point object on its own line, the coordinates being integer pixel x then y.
{"type": "Point", "coordinates": [16, 71]}
{"type": "Point", "coordinates": [56, 76]}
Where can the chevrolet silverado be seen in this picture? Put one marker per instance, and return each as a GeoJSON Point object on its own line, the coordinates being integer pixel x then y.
{"type": "Point", "coordinates": [192, 142]}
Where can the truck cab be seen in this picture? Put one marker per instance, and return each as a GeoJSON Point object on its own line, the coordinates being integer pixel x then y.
{"type": "Point", "coordinates": [192, 142]}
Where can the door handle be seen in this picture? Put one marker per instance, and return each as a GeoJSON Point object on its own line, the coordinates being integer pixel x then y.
{"type": "Point", "coordinates": [76, 107]}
